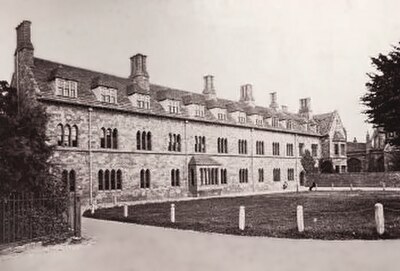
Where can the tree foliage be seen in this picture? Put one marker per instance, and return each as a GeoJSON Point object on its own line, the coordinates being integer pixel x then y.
{"type": "Point", "coordinates": [24, 150]}
{"type": "Point", "coordinates": [383, 94]}
{"type": "Point", "coordinates": [308, 162]}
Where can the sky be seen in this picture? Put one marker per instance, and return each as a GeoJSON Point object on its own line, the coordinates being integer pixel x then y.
{"type": "Point", "coordinates": [310, 48]}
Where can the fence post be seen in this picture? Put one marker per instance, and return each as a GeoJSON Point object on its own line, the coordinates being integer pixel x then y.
{"type": "Point", "coordinates": [316, 187]}
{"type": "Point", "coordinates": [92, 209]}
{"type": "Point", "coordinates": [297, 187]}
{"type": "Point", "coordinates": [379, 219]}
{"type": "Point", "coordinates": [77, 218]}
{"type": "Point", "coordinates": [383, 186]}
{"type": "Point", "coordinates": [300, 219]}
{"type": "Point", "coordinates": [115, 200]}
{"type": "Point", "coordinates": [332, 186]}
{"type": "Point", "coordinates": [125, 210]}
{"type": "Point", "coordinates": [351, 186]}
{"type": "Point", "coordinates": [242, 218]}
{"type": "Point", "coordinates": [173, 213]}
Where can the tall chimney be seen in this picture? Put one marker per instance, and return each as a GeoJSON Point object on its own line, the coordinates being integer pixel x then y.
{"type": "Point", "coordinates": [24, 49]}
{"type": "Point", "coordinates": [305, 108]}
{"type": "Point", "coordinates": [274, 103]}
{"type": "Point", "coordinates": [139, 74]}
{"type": "Point", "coordinates": [246, 94]}
{"type": "Point", "coordinates": [209, 90]}
{"type": "Point", "coordinates": [284, 108]}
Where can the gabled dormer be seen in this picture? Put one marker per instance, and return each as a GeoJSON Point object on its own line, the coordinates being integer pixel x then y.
{"type": "Point", "coordinates": [217, 109]}
{"type": "Point", "coordinates": [195, 105]}
{"type": "Point", "coordinates": [63, 83]}
{"type": "Point", "coordinates": [104, 90]}
{"type": "Point", "coordinates": [254, 117]}
{"type": "Point", "coordinates": [170, 101]}
{"type": "Point", "coordinates": [237, 113]}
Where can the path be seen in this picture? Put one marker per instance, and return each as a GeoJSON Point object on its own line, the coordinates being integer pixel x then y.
{"type": "Point", "coordinates": [119, 246]}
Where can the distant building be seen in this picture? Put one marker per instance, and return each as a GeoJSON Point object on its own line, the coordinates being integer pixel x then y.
{"type": "Point", "coordinates": [128, 138]}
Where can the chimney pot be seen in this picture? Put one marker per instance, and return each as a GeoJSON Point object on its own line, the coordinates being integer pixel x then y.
{"type": "Point", "coordinates": [274, 104]}
{"type": "Point", "coordinates": [209, 89]}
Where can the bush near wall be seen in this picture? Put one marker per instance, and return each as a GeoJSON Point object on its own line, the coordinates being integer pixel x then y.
{"type": "Point", "coordinates": [357, 179]}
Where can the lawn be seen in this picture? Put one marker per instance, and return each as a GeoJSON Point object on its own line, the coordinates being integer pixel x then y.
{"type": "Point", "coordinates": [327, 215]}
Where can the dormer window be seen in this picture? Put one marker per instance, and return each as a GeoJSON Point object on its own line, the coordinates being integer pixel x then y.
{"type": "Point", "coordinates": [221, 116]}
{"type": "Point", "coordinates": [199, 110]}
{"type": "Point", "coordinates": [108, 95]}
{"type": "Point", "coordinates": [289, 125]}
{"type": "Point", "coordinates": [143, 101]}
{"type": "Point", "coordinates": [259, 122]}
{"type": "Point", "coordinates": [66, 88]}
{"type": "Point", "coordinates": [173, 107]}
{"type": "Point", "coordinates": [275, 122]}
{"type": "Point", "coordinates": [242, 117]}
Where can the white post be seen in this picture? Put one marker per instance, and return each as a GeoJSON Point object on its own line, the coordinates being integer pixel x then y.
{"type": "Point", "coordinates": [125, 210]}
{"type": "Point", "coordinates": [379, 219]}
{"type": "Point", "coordinates": [242, 218]}
{"type": "Point", "coordinates": [316, 187]}
{"type": "Point", "coordinates": [92, 209]}
{"type": "Point", "coordinates": [351, 187]}
{"type": "Point", "coordinates": [300, 219]}
{"type": "Point", "coordinates": [383, 186]}
{"type": "Point", "coordinates": [115, 200]}
{"type": "Point", "coordinates": [173, 213]}
{"type": "Point", "coordinates": [297, 188]}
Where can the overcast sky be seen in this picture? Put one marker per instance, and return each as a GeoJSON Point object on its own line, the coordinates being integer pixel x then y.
{"type": "Point", "coordinates": [318, 49]}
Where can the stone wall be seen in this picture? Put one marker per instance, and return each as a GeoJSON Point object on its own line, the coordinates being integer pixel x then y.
{"type": "Point", "coordinates": [357, 179]}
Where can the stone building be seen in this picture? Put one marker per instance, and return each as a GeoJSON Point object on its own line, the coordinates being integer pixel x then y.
{"type": "Point", "coordinates": [129, 138]}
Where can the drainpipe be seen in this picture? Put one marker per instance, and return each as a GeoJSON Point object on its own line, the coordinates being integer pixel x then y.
{"type": "Point", "coordinates": [252, 159]}
{"type": "Point", "coordinates": [186, 159]}
{"type": "Point", "coordinates": [90, 155]}
{"type": "Point", "coordinates": [296, 158]}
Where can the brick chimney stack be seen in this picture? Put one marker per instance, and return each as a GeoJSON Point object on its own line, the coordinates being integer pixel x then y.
{"type": "Point", "coordinates": [139, 74]}
{"type": "Point", "coordinates": [305, 108]}
{"type": "Point", "coordinates": [24, 49]}
{"type": "Point", "coordinates": [246, 94]}
{"type": "Point", "coordinates": [274, 103]}
{"type": "Point", "coordinates": [209, 90]}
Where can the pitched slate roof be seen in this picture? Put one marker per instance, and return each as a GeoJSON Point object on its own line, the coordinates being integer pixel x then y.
{"type": "Point", "coordinates": [45, 71]}
{"type": "Point", "coordinates": [356, 147]}
{"type": "Point", "coordinates": [324, 121]}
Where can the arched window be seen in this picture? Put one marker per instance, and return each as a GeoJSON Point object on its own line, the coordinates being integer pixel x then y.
{"type": "Point", "coordinates": [72, 180]}
{"type": "Point", "coordinates": [138, 138]}
{"type": "Point", "coordinates": [60, 134]}
{"type": "Point", "coordinates": [103, 138]}
{"type": "Point", "coordinates": [119, 179]}
{"type": "Point", "coordinates": [170, 142]}
{"type": "Point", "coordinates": [173, 177]}
{"type": "Point", "coordinates": [192, 176]}
{"type": "Point", "coordinates": [142, 179]}
{"type": "Point", "coordinates": [203, 142]}
{"type": "Point", "coordinates": [101, 180]}
{"type": "Point", "coordinates": [113, 184]}
{"type": "Point", "coordinates": [115, 139]}
{"type": "Point", "coordinates": [108, 138]}
{"type": "Point", "coordinates": [177, 180]}
{"type": "Point", "coordinates": [219, 144]}
{"type": "Point", "coordinates": [143, 140]}
{"type": "Point", "coordinates": [178, 138]}
{"type": "Point", "coordinates": [147, 178]}
{"type": "Point", "coordinates": [107, 180]}
{"type": "Point", "coordinates": [67, 135]}
{"type": "Point", "coordinates": [148, 141]}
{"type": "Point", "coordinates": [196, 144]}
{"type": "Point", "coordinates": [74, 136]}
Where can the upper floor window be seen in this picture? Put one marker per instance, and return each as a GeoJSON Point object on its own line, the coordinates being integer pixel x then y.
{"type": "Point", "coordinates": [275, 148]}
{"type": "Point", "coordinates": [242, 118]}
{"type": "Point", "coordinates": [174, 143]}
{"type": "Point", "coordinates": [109, 138]}
{"type": "Point", "coordinates": [260, 147]}
{"type": "Point", "coordinates": [314, 150]}
{"type": "Point", "coordinates": [67, 88]}
{"type": "Point", "coordinates": [199, 110]}
{"type": "Point", "coordinates": [289, 124]}
{"type": "Point", "coordinates": [342, 149]}
{"type": "Point", "coordinates": [175, 178]}
{"type": "Point", "coordinates": [221, 116]}
{"type": "Point", "coordinates": [143, 101]}
{"type": "Point", "coordinates": [242, 146]}
{"type": "Point", "coordinates": [173, 107]}
{"type": "Point", "coordinates": [108, 95]}
{"type": "Point", "coordinates": [200, 144]}
{"type": "Point", "coordinates": [67, 136]}
{"type": "Point", "coordinates": [110, 179]}
{"type": "Point", "coordinates": [143, 140]}
{"type": "Point", "coordinates": [243, 175]}
{"type": "Point", "coordinates": [222, 145]}
{"type": "Point", "coordinates": [259, 122]}
{"type": "Point", "coordinates": [208, 176]}
{"type": "Point", "coordinates": [289, 149]}
{"type": "Point", "coordinates": [224, 179]}
{"type": "Point", "coordinates": [336, 149]}
{"type": "Point", "coordinates": [301, 149]}
{"type": "Point", "coordinates": [69, 180]}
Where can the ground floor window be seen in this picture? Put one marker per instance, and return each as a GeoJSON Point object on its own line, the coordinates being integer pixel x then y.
{"type": "Point", "coordinates": [110, 179]}
{"type": "Point", "coordinates": [145, 178]}
{"type": "Point", "coordinates": [175, 178]}
{"type": "Point", "coordinates": [224, 179]}
{"type": "Point", "coordinates": [276, 174]}
{"type": "Point", "coordinates": [69, 179]}
{"type": "Point", "coordinates": [260, 175]}
{"type": "Point", "coordinates": [208, 176]}
{"type": "Point", "coordinates": [243, 175]}
{"type": "Point", "coordinates": [290, 174]}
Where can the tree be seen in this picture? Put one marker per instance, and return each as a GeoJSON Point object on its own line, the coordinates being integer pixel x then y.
{"type": "Point", "coordinates": [24, 149]}
{"type": "Point", "coordinates": [308, 162]}
{"type": "Point", "coordinates": [383, 94]}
